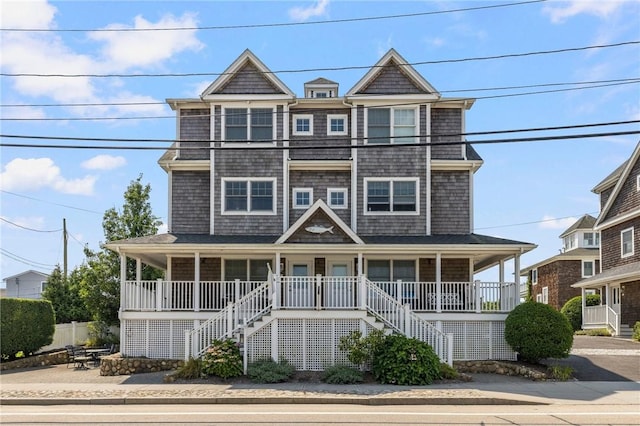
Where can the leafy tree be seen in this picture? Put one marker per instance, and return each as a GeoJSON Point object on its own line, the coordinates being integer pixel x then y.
{"type": "Point", "coordinates": [100, 284]}
{"type": "Point", "coordinates": [64, 295]}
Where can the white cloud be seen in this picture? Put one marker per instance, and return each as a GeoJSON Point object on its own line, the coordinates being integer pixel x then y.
{"type": "Point", "coordinates": [301, 14]}
{"type": "Point", "coordinates": [561, 11]}
{"type": "Point", "coordinates": [104, 162]}
{"type": "Point", "coordinates": [549, 222]}
{"type": "Point", "coordinates": [23, 112]}
{"type": "Point", "coordinates": [31, 174]}
{"type": "Point", "coordinates": [126, 49]}
{"type": "Point", "coordinates": [35, 14]}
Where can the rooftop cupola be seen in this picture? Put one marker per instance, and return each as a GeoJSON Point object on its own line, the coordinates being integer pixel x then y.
{"type": "Point", "coordinates": [321, 88]}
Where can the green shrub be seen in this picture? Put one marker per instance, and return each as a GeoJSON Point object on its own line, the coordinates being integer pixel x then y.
{"type": "Point", "coordinates": [405, 361]}
{"type": "Point", "coordinates": [192, 369]}
{"type": "Point", "coordinates": [537, 331]}
{"type": "Point", "coordinates": [342, 375]}
{"type": "Point", "coordinates": [636, 331]}
{"type": "Point", "coordinates": [448, 372]}
{"type": "Point", "coordinates": [561, 372]}
{"type": "Point", "coordinates": [25, 325]}
{"type": "Point", "coordinates": [573, 309]}
{"type": "Point", "coordinates": [269, 371]}
{"type": "Point", "coordinates": [100, 334]}
{"type": "Point", "coordinates": [222, 359]}
{"type": "Point", "coordinates": [360, 350]}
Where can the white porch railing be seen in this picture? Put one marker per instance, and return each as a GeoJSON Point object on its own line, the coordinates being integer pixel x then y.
{"type": "Point", "coordinates": [225, 323]}
{"type": "Point", "coordinates": [601, 316]}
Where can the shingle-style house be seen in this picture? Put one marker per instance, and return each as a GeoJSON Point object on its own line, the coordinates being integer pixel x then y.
{"type": "Point", "coordinates": [294, 221]}
{"type": "Point", "coordinates": [579, 258]}
{"type": "Point", "coordinates": [26, 285]}
{"type": "Point", "coordinates": [619, 227]}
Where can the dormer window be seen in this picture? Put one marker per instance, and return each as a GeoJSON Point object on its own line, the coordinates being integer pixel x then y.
{"type": "Point", "coordinates": [321, 95]}
{"type": "Point", "coordinates": [591, 239]}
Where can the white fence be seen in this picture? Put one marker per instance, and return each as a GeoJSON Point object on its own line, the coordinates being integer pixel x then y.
{"type": "Point", "coordinates": [74, 333]}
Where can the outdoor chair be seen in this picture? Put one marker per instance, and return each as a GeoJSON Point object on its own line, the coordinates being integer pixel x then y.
{"type": "Point", "coordinates": [77, 356]}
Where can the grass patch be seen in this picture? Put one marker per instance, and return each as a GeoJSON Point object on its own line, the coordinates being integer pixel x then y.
{"type": "Point", "coordinates": [269, 371]}
{"type": "Point", "coordinates": [192, 369]}
{"type": "Point", "coordinates": [594, 332]}
{"type": "Point", "coordinates": [560, 372]}
{"type": "Point", "coordinates": [447, 372]}
{"type": "Point", "coordinates": [342, 375]}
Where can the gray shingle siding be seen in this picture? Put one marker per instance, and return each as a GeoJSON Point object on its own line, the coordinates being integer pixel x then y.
{"type": "Point", "coordinates": [249, 80]}
{"type": "Point", "coordinates": [247, 164]}
{"type": "Point", "coordinates": [319, 181]}
{"type": "Point", "coordinates": [450, 203]}
{"type": "Point", "coordinates": [391, 80]}
{"type": "Point", "coordinates": [446, 121]}
{"type": "Point", "coordinates": [190, 202]}
{"type": "Point", "coordinates": [195, 125]}
{"type": "Point", "coordinates": [320, 137]}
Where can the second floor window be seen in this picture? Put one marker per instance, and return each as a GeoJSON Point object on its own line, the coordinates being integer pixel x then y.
{"type": "Point", "coordinates": [393, 196]}
{"type": "Point", "coordinates": [626, 242]}
{"type": "Point", "coordinates": [302, 198]}
{"type": "Point", "coordinates": [587, 268]}
{"type": "Point", "coordinates": [252, 124]}
{"type": "Point", "coordinates": [337, 198]}
{"type": "Point", "coordinates": [591, 239]}
{"type": "Point", "coordinates": [302, 124]}
{"type": "Point", "coordinates": [248, 196]}
{"type": "Point", "coordinates": [391, 125]}
{"type": "Point", "coordinates": [534, 276]}
{"type": "Point", "coordinates": [337, 124]}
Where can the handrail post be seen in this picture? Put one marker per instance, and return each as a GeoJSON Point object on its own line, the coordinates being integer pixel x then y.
{"type": "Point", "coordinates": [407, 321]}
{"type": "Point", "coordinates": [399, 291]}
{"type": "Point", "coordinates": [450, 349]}
{"type": "Point", "coordinates": [236, 290]}
{"type": "Point", "coordinates": [276, 285]}
{"type": "Point", "coordinates": [159, 288]}
{"type": "Point", "coordinates": [230, 318]}
{"type": "Point", "coordinates": [478, 291]}
{"type": "Point", "coordinates": [362, 292]}
{"type": "Point", "coordinates": [318, 291]}
{"type": "Point", "coordinates": [187, 346]}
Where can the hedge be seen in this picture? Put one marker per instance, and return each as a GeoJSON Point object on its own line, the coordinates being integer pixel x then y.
{"type": "Point", "coordinates": [25, 325]}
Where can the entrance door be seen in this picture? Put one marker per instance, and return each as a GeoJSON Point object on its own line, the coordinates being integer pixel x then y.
{"type": "Point", "coordinates": [338, 289]}
{"type": "Point", "coordinates": [299, 287]}
{"type": "Point", "coordinates": [615, 299]}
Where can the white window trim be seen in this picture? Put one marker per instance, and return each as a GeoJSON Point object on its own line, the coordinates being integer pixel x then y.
{"type": "Point", "coordinates": [223, 196]}
{"type": "Point", "coordinates": [638, 183]}
{"type": "Point", "coordinates": [622, 254]}
{"type": "Point", "coordinates": [534, 276]}
{"type": "Point", "coordinates": [545, 295]}
{"type": "Point", "coordinates": [593, 268]}
{"type": "Point", "coordinates": [43, 284]}
{"type": "Point", "coordinates": [236, 144]}
{"type": "Point", "coordinates": [539, 298]}
{"type": "Point", "coordinates": [345, 191]}
{"type": "Point", "coordinates": [416, 121]}
{"type": "Point", "coordinates": [345, 119]}
{"type": "Point", "coordinates": [296, 117]}
{"type": "Point", "coordinates": [294, 202]}
{"type": "Point", "coordinates": [390, 180]}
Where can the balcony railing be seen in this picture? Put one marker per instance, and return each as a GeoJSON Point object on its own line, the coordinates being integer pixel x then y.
{"type": "Point", "coordinates": [320, 292]}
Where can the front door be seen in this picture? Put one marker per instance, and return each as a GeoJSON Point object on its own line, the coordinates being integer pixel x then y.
{"type": "Point", "coordinates": [615, 299]}
{"type": "Point", "coordinates": [299, 286]}
{"type": "Point", "coordinates": [338, 289]}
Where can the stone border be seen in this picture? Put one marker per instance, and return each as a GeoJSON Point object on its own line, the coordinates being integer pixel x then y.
{"type": "Point", "coordinates": [500, 367]}
{"type": "Point", "coordinates": [116, 365]}
{"type": "Point", "coordinates": [52, 358]}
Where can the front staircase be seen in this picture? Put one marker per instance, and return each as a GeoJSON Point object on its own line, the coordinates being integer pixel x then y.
{"type": "Point", "coordinates": [235, 319]}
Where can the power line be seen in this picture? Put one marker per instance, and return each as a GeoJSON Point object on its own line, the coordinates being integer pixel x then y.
{"type": "Point", "coordinates": [28, 229]}
{"type": "Point", "coordinates": [331, 147]}
{"type": "Point", "coordinates": [50, 202]}
{"type": "Point", "coordinates": [26, 261]}
{"type": "Point", "coordinates": [302, 110]}
{"type": "Point", "coordinates": [345, 68]}
{"type": "Point", "coordinates": [272, 25]}
{"type": "Point", "coordinates": [486, 132]}
{"type": "Point", "coordinates": [529, 223]}
{"type": "Point", "coordinates": [481, 89]}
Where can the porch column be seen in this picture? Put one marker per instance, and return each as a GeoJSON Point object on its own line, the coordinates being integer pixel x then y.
{"type": "Point", "coordinates": [501, 287]}
{"type": "Point", "coordinates": [168, 273]}
{"type": "Point", "coordinates": [138, 270]}
{"type": "Point", "coordinates": [196, 284]}
{"type": "Point", "coordinates": [583, 294]}
{"type": "Point", "coordinates": [438, 282]}
{"type": "Point", "coordinates": [276, 284]}
{"type": "Point", "coordinates": [606, 311]}
{"type": "Point", "coordinates": [515, 293]}
{"type": "Point", "coordinates": [362, 288]}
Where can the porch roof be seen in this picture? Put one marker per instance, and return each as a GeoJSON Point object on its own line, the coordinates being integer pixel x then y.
{"type": "Point", "coordinates": [624, 273]}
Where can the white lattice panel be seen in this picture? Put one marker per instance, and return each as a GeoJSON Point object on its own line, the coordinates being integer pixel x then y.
{"type": "Point", "coordinates": [159, 338]}
{"type": "Point", "coordinates": [134, 337]}
{"type": "Point", "coordinates": [343, 328]}
{"type": "Point", "coordinates": [319, 344]}
{"type": "Point", "coordinates": [154, 338]}
{"type": "Point", "coordinates": [500, 347]}
{"type": "Point", "coordinates": [291, 341]}
{"type": "Point", "coordinates": [177, 337]}
{"type": "Point", "coordinates": [259, 344]}
{"type": "Point", "coordinates": [478, 340]}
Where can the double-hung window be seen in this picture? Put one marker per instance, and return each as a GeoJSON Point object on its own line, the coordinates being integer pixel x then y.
{"type": "Point", "coordinates": [396, 195]}
{"type": "Point", "coordinates": [391, 125]}
{"type": "Point", "coordinates": [248, 124]}
{"type": "Point", "coordinates": [626, 242]}
{"type": "Point", "coordinates": [254, 196]}
{"type": "Point", "coordinates": [588, 267]}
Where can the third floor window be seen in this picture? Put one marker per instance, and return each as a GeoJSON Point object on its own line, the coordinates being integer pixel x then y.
{"type": "Point", "coordinates": [248, 124]}
{"type": "Point", "coordinates": [391, 125]}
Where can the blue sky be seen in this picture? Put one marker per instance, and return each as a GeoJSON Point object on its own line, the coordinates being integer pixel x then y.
{"type": "Point", "coordinates": [525, 191]}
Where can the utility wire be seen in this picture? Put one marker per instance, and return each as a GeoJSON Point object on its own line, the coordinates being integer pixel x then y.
{"type": "Point", "coordinates": [302, 110]}
{"type": "Point", "coordinates": [28, 229]}
{"type": "Point", "coordinates": [345, 68]}
{"type": "Point", "coordinates": [440, 135]}
{"type": "Point", "coordinates": [482, 89]}
{"type": "Point", "coordinates": [270, 147]}
{"type": "Point", "coordinates": [529, 223]}
{"type": "Point", "coordinates": [26, 261]}
{"type": "Point", "coordinates": [272, 25]}
{"type": "Point", "coordinates": [50, 202]}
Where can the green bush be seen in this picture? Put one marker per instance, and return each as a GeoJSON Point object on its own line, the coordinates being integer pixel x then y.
{"type": "Point", "coordinates": [25, 325]}
{"type": "Point", "coordinates": [573, 309]}
{"type": "Point", "coordinates": [636, 331]}
{"type": "Point", "coordinates": [269, 371]}
{"type": "Point", "coordinates": [448, 372]}
{"type": "Point", "coordinates": [405, 361]}
{"type": "Point", "coordinates": [537, 331]}
{"type": "Point", "coordinates": [360, 350]}
{"type": "Point", "coordinates": [342, 375]}
{"type": "Point", "coordinates": [192, 369]}
{"type": "Point", "coordinates": [222, 359]}
{"type": "Point", "coordinates": [100, 334]}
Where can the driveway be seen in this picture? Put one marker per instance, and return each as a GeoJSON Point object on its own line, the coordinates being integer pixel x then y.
{"type": "Point", "coordinates": [603, 359]}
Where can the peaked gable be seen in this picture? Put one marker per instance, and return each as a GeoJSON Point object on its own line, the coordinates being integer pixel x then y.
{"type": "Point", "coordinates": [247, 75]}
{"type": "Point", "coordinates": [319, 224]}
{"type": "Point", "coordinates": [392, 74]}
{"type": "Point", "coordinates": [625, 197]}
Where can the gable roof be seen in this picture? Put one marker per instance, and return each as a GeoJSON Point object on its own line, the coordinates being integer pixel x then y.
{"type": "Point", "coordinates": [247, 57]}
{"type": "Point", "coordinates": [621, 179]}
{"type": "Point", "coordinates": [585, 222]}
{"type": "Point", "coordinates": [575, 254]}
{"type": "Point", "coordinates": [393, 58]}
{"type": "Point", "coordinates": [319, 206]}
{"type": "Point", "coordinates": [30, 271]}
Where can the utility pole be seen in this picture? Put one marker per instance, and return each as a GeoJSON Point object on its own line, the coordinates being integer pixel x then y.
{"type": "Point", "coordinates": [65, 239]}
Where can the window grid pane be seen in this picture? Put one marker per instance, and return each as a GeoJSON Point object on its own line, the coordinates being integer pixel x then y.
{"type": "Point", "coordinates": [261, 196]}
{"type": "Point", "coordinates": [379, 125]}
{"type": "Point", "coordinates": [404, 196]}
{"type": "Point", "coordinates": [378, 196]}
{"type": "Point", "coordinates": [236, 196]}
{"type": "Point", "coordinates": [236, 124]}
{"type": "Point", "coordinates": [337, 125]}
{"type": "Point", "coordinates": [337, 198]}
{"type": "Point", "coordinates": [404, 125]}
{"type": "Point", "coordinates": [302, 125]}
{"type": "Point", "coordinates": [261, 124]}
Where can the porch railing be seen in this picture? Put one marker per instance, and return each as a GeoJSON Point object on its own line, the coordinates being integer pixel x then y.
{"type": "Point", "coordinates": [601, 316]}
{"type": "Point", "coordinates": [320, 292]}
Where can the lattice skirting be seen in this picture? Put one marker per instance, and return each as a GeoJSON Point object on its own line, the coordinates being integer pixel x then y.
{"type": "Point", "coordinates": [308, 343]}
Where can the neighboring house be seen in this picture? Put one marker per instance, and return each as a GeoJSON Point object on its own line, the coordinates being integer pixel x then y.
{"type": "Point", "coordinates": [619, 227]}
{"type": "Point", "coordinates": [27, 285]}
{"type": "Point", "coordinates": [309, 218]}
{"type": "Point", "coordinates": [551, 279]}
